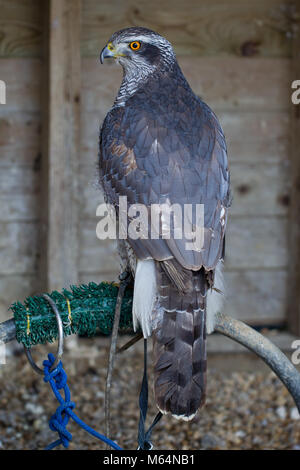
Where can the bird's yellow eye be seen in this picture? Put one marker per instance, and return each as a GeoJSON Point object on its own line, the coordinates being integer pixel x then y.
{"type": "Point", "coordinates": [135, 45]}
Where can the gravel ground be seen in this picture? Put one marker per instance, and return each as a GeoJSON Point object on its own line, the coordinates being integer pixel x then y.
{"type": "Point", "coordinates": [243, 410]}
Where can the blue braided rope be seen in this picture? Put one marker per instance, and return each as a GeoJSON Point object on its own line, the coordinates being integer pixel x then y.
{"type": "Point", "coordinates": [59, 420]}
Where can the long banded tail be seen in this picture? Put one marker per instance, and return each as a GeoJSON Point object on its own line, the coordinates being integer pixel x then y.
{"type": "Point", "coordinates": [179, 346]}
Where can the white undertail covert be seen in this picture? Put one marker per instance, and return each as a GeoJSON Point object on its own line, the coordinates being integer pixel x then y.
{"type": "Point", "coordinates": [144, 297]}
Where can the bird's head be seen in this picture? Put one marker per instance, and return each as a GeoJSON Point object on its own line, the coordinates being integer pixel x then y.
{"type": "Point", "coordinates": [138, 50]}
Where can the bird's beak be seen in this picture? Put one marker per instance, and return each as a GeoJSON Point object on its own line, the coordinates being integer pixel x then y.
{"type": "Point", "coordinates": [110, 52]}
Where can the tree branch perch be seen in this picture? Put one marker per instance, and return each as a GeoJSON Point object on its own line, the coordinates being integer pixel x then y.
{"type": "Point", "coordinates": [265, 349]}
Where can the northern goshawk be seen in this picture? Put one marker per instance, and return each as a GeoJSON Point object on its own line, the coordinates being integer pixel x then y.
{"type": "Point", "coordinates": [161, 144]}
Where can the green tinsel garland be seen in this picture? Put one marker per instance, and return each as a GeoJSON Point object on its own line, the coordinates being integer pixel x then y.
{"type": "Point", "coordinates": [92, 309]}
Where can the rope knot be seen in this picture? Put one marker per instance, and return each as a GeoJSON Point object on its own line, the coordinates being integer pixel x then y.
{"type": "Point", "coordinates": [58, 374]}
{"type": "Point", "coordinates": [58, 380]}
{"type": "Point", "coordinates": [59, 421]}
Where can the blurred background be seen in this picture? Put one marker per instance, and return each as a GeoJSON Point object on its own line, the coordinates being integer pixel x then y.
{"type": "Point", "coordinates": [240, 57]}
{"type": "Point", "coordinates": [237, 55]}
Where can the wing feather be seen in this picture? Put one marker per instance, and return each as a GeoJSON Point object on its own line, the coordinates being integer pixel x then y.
{"type": "Point", "coordinates": [176, 153]}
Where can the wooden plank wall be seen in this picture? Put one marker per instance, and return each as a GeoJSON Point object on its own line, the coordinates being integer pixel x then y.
{"type": "Point", "coordinates": [294, 231]}
{"type": "Point", "coordinates": [60, 199]}
{"type": "Point", "coordinates": [236, 55]}
{"type": "Point", "coordinates": [20, 148]}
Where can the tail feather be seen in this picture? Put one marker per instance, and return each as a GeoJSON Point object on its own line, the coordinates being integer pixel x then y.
{"type": "Point", "coordinates": [179, 347]}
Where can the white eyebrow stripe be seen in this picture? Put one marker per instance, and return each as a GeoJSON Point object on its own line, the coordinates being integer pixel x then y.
{"type": "Point", "coordinates": [144, 39]}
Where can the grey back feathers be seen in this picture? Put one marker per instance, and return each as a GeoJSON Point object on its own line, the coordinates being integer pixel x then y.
{"type": "Point", "coordinates": [161, 144]}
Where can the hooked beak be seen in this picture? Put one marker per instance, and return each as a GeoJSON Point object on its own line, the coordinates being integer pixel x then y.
{"type": "Point", "coordinates": [106, 53]}
{"type": "Point", "coordinates": [110, 52]}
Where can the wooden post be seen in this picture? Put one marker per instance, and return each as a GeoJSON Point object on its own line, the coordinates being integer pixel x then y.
{"type": "Point", "coordinates": [293, 289]}
{"type": "Point", "coordinates": [61, 143]}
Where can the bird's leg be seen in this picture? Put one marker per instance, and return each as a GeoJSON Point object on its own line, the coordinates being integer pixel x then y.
{"type": "Point", "coordinates": [130, 343]}
{"type": "Point", "coordinates": [125, 279]}
{"type": "Point", "coordinates": [267, 351]}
